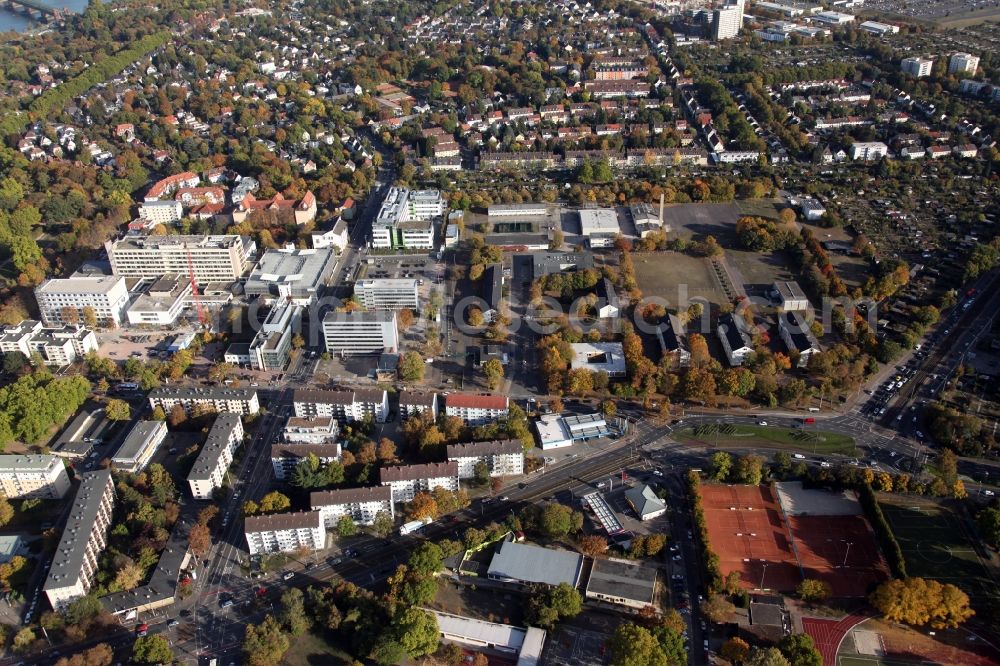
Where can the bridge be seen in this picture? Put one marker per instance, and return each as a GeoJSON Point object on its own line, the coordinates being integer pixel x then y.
{"type": "Point", "coordinates": [34, 10]}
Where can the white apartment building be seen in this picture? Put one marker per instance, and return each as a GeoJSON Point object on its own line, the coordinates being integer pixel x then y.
{"type": "Point", "coordinates": [735, 339]}
{"type": "Point", "coordinates": [361, 504]}
{"type": "Point", "coordinates": [407, 480]}
{"type": "Point", "coordinates": [406, 219]}
{"type": "Point", "coordinates": [215, 456]}
{"type": "Point", "coordinates": [504, 457]}
{"type": "Point", "coordinates": [360, 333]}
{"type": "Point", "coordinates": [285, 457]}
{"type": "Point", "coordinates": [726, 22]}
{"type": "Point", "coordinates": [476, 409]}
{"type": "Point", "coordinates": [212, 258]}
{"type": "Point", "coordinates": [241, 401]}
{"type": "Point", "coordinates": [272, 345]}
{"type": "Point", "coordinates": [963, 63]}
{"type": "Point", "coordinates": [139, 446]}
{"type": "Point", "coordinates": [344, 406]}
{"type": "Point", "coordinates": [868, 151]}
{"type": "Point", "coordinates": [387, 294]}
{"type": "Point", "coordinates": [162, 303]}
{"type": "Point", "coordinates": [33, 476]}
{"type": "Point", "coordinates": [284, 532]}
{"type": "Point", "coordinates": [57, 345]}
{"type": "Point", "coordinates": [412, 403]}
{"type": "Point", "coordinates": [161, 212]}
{"type": "Point", "coordinates": [318, 430]}
{"type": "Point", "coordinates": [917, 67]}
{"type": "Point", "coordinates": [106, 296]}
{"type": "Point", "coordinates": [74, 564]}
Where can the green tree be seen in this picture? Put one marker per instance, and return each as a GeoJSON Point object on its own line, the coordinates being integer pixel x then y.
{"type": "Point", "coordinates": [6, 511]}
{"type": "Point", "coordinates": [989, 526]}
{"type": "Point", "coordinates": [766, 657]}
{"type": "Point", "coordinates": [346, 527]}
{"type": "Point", "coordinates": [411, 367]}
{"type": "Point", "coordinates": [749, 469]}
{"type": "Point", "coordinates": [632, 645]}
{"type": "Point", "coordinates": [814, 590]}
{"type": "Point", "coordinates": [265, 644]}
{"type": "Point", "coordinates": [556, 520]}
{"type": "Point", "coordinates": [382, 524]}
{"type": "Point", "coordinates": [293, 611]}
{"type": "Point", "coordinates": [274, 502]}
{"type": "Point", "coordinates": [800, 650]}
{"type": "Point", "coordinates": [722, 464]}
{"type": "Point", "coordinates": [417, 632]}
{"type": "Point", "coordinates": [153, 649]}
{"type": "Point", "coordinates": [481, 473]}
{"type": "Point", "coordinates": [493, 371]}
{"type": "Point", "coordinates": [548, 605]}
{"type": "Point", "coordinates": [118, 410]}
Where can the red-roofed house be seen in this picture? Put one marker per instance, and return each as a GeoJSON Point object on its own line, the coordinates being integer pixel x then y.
{"type": "Point", "coordinates": [304, 210]}
{"type": "Point", "coordinates": [476, 409]}
{"type": "Point", "coordinates": [171, 184]}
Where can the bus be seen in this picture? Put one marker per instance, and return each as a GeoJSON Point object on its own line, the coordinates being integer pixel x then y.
{"type": "Point", "coordinates": [127, 386]}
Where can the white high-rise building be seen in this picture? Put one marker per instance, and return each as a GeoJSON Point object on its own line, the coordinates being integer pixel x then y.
{"type": "Point", "coordinates": [106, 296]}
{"type": "Point", "coordinates": [727, 21]}
{"type": "Point", "coordinates": [917, 67]}
{"type": "Point", "coordinates": [33, 476]}
{"type": "Point", "coordinates": [360, 333]}
{"type": "Point", "coordinates": [212, 258]}
{"type": "Point", "coordinates": [963, 63]}
{"type": "Point", "coordinates": [161, 212]}
{"type": "Point", "coordinates": [387, 294]}
{"type": "Point", "coordinates": [406, 219]}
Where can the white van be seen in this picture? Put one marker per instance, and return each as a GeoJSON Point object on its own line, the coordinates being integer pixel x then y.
{"type": "Point", "coordinates": [798, 456]}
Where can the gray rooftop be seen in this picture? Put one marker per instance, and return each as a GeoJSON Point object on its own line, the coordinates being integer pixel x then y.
{"type": "Point", "coordinates": [217, 440]}
{"type": "Point", "coordinates": [137, 440]}
{"type": "Point", "coordinates": [644, 501]}
{"type": "Point", "coordinates": [533, 564]}
{"type": "Point", "coordinates": [12, 463]}
{"type": "Point", "coordinates": [617, 578]}
{"type": "Point", "coordinates": [303, 270]}
{"type": "Point", "coordinates": [295, 520]}
{"type": "Point", "coordinates": [544, 263]}
{"type": "Point", "coordinates": [202, 393]}
{"type": "Point", "coordinates": [67, 563]}
{"type": "Point", "coordinates": [492, 448]}
{"type": "Point", "coordinates": [350, 496]}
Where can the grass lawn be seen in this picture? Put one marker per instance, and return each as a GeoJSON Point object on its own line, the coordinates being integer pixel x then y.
{"type": "Point", "coordinates": [873, 661]}
{"type": "Point", "coordinates": [767, 208]}
{"type": "Point", "coordinates": [311, 649]}
{"type": "Point", "coordinates": [738, 436]}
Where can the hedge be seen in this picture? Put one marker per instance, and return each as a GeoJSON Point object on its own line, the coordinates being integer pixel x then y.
{"type": "Point", "coordinates": [709, 560]}
{"type": "Point", "coordinates": [883, 532]}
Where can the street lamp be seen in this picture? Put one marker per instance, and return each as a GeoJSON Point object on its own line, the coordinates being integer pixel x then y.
{"type": "Point", "coordinates": [848, 552]}
{"type": "Point", "coordinates": [765, 564]}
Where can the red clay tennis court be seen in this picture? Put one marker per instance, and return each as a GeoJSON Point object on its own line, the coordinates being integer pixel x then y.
{"type": "Point", "coordinates": [840, 550]}
{"type": "Point", "coordinates": [747, 532]}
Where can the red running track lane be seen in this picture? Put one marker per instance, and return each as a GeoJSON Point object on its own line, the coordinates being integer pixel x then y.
{"type": "Point", "coordinates": [828, 634]}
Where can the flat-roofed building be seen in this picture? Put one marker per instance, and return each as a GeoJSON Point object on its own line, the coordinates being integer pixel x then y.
{"type": "Point", "coordinates": [503, 457]}
{"type": "Point", "coordinates": [387, 294]}
{"type": "Point", "coordinates": [291, 274]}
{"type": "Point", "coordinates": [85, 535]}
{"type": "Point", "coordinates": [344, 405]}
{"type": "Point", "coordinates": [286, 456]}
{"type": "Point", "coordinates": [407, 480]}
{"type": "Point", "coordinates": [57, 345]}
{"type": "Point", "coordinates": [161, 304]}
{"type": "Point", "coordinates": [477, 408]}
{"type": "Point", "coordinates": [789, 296]}
{"type": "Point", "coordinates": [161, 212]}
{"type": "Point", "coordinates": [524, 644]}
{"type": "Point", "coordinates": [361, 504]}
{"type": "Point", "coordinates": [412, 403]}
{"type": "Point", "coordinates": [532, 210]}
{"type": "Point", "coordinates": [599, 357]}
{"type": "Point", "coordinates": [211, 258]}
{"type": "Point", "coordinates": [33, 476]}
{"type": "Point", "coordinates": [69, 300]}
{"type": "Point", "coordinates": [963, 63]}
{"type": "Point", "coordinates": [868, 151]}
{"type": "Point", "coordinates": [406, 219]}
{"type": "Point", "coordinates": [916, 67]}
{"type": "Point", "coordinates": [527, 564]}
{"type": "Point", "coordinates": [284, 532]}
{"type": "Point", "coordinates": [209, 470]}
{"type": "Point", "coordinates": [600, 225]}
{"type": "Point", "coordinates": [272, 345]}
{"type": "Point", "coordinates": [360, 333]}
{"type": "Point", "coordinates": [139, 446]}
{"type": "Point", "coordinates": [241, 401]}
{"type": "Point", "coordinates": [622, 582]}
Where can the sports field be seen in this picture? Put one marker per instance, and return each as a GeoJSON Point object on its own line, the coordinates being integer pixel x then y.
{"type": "Point", "coordinates": [729, 435]}
{"type": "Point", "coordinates": [935, 544]}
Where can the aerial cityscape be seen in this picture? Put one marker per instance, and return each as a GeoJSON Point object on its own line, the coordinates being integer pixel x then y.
{"type": "Point", "coordinates": [585, 333]}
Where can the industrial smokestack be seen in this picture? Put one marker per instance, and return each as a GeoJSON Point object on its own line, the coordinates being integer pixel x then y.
{"type": "Point", "coordinates": [661, 210]}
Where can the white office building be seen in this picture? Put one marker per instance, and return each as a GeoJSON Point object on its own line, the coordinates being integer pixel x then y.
{"type": "Point", "coordinates": [476, 409]}
{"type": "Point", "coordinates": [917, 67]}
{"type": "Point", "coordinates": [291, 274]}
{"type": "Point", "coordinates": [361, 504]}
{"type": "Point", "coordinates": [963, 63]}
{"type": "Point", "coordinates": [503, 457]}
{"type": "Point", "coordinates": [599, 357]}
{"type": "Point", "coordinates": [211, 258]}
{"type": "Point", "coordinates": [74, 564]}
{"type": "Point", "coordinates": [67, 300]}
{"type": "Point", "coordinates": [60, 345]}
{"type": "Point", "coordinates": [272, 345]}
{"type": "Point", "coordinates": [406, 219]}
{"type": "Point", "coordinates": [868, 151]}
{"type": "Point", "coordinates": [139, 446]}
{"type": "Point", "coordinates": [726, 22]}
{"type": "Point", "coordinates": [161, 212]}
{"type": "Point", "coordinates": [215, 456]}
{"type": "Point", "coordinates": [284, 532]}
{"type": "Point", "coordinates": [407, 480]}
{"type": "Point", "coordinates": [360, 333]}
{"type": "Point", "coordinates": [202, 399]}
{"type": "Point", "coordinates": [599, 225]}
{"type": "Point", "coordinates": [162, 303]}
{"type": "Point", "coordinates": [387, 294]}
{"type": "Point", "coordinates": [33, 476]}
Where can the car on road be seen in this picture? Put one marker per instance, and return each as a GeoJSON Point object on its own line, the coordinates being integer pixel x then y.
{"type": "Point", "coordinates": [288, 576]}
{"type": "Point", "coordinates": [173, 623]}
{"type": "Point", "coordinates": [657, 472]}
{"type": "Point", "coordinates": [226, 604]}
{"type": "Point", "coordinates": [762, 423]}
{"type": "Point", "coordinates": [142, 629]}
{"type": "Point", "coordinates": [504, 498]}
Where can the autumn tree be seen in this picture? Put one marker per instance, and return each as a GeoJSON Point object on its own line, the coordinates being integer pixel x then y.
{"type": "Point", "coordinates": [152, 649]}
{"type": "Point", "coordinates": [593, 545]}
{"type": "Point", "coordinates": [493, 371]}
{"type": "Point", "coordinates": [422, 506]}
{"type": "Point", "coordinates": [918, 601]}
{"type": "Point", "coordinates": [274, 502]}
{"type": "Point", "coordinates": [265, 644]}
{"type": "Point", "coordinates": [117, 410]}
{"type": "Point", "coordinates": [199, 540]}
{"type": "Point", "coordinates": [411, 367]}
{"type": "Point", "coordinates": [735, 650]}
{"type": "Point", "coordinates": [814, 590]}
{"type": "Point", "coordinates": [717, 608]}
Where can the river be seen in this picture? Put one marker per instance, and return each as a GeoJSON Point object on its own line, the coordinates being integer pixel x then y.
{"type": "Point", "coordinates": [20, 23]}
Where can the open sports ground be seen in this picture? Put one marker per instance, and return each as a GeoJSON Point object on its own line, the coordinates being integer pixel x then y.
{"type": "Point", "coordinates": [936, 544]}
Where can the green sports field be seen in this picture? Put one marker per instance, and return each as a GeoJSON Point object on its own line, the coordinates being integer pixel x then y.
{"type": "Point", "coordinates": [803, 440]}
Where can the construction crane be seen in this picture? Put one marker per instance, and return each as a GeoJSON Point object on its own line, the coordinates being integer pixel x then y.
{"type": "Point", "coordinates": [202, 318]}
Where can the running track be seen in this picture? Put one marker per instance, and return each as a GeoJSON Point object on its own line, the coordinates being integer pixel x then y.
{"type": "Point", "coordinates": [828, 634]}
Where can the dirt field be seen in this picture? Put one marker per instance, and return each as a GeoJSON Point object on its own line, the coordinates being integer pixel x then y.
{"type": "Point", "coordinates": [821, 544]}
{"type": "Point", "coordinates": [677, 278]}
